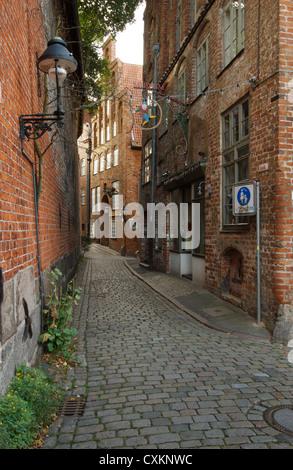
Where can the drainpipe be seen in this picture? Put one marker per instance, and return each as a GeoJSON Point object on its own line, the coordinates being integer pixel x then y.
{"type": "Point", "coordinates": [37, 231]}
{"type": "Point", "coordinates": [89, 159]}
{"type": "Point", "coordinates": [258, 44]}
{"type": "Point", "coordinates": [156, 51]}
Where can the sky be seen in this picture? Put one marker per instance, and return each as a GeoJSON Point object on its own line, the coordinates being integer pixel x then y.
{"type": "Point", "coordinates": [129, 46]}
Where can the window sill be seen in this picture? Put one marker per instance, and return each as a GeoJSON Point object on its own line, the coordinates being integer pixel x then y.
{"type": "Point", "coordinates": [199, 255]}
{"type": "Point", "coordinates": [235, 228]}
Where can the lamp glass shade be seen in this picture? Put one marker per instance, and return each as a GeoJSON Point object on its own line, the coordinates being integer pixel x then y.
{"type": "Point", "coordinates": [62, 73]}
{"type": "Point", "coordinates": [57, 50]}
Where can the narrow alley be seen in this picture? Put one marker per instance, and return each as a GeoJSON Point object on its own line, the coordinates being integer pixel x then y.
{"type": "Point", "coordinates": [155, 378]}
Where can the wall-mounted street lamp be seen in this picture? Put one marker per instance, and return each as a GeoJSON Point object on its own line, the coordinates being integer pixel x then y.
{"type": "Point", "coordinates": [200, 192]}
{"type": "Point", "coordinates": [57, 62]}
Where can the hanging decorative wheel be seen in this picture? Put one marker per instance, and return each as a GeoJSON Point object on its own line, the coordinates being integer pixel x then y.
{"type": "Point", "coordinates": [146, 113]}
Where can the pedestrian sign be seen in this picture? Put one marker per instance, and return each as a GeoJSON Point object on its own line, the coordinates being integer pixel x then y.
{"type": "Point", "coordinates": [244, 201]}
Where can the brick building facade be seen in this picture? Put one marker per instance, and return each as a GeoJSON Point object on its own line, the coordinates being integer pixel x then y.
{"type": "Point", "coordinates": [30, 244]}
{"type": "Point", "coordinates": [227, 118]}
{"type": "Point", "coordinates": [115, 159]}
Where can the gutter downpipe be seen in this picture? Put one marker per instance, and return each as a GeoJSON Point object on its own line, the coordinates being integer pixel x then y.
{"type": "Point", "coordinates": [156, 52]}
{"type": "Point", "coordinates": [37, 232]}
{"type": "Point", "coordinates": [89, 159]}
{"type": "Point", "coordinates": [258, 44]}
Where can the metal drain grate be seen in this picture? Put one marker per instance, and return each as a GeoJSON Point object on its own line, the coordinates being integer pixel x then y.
{"type": "Point", "coordinates": [73, 406]}
{"type": "Point", "coordinates": [280, 418]}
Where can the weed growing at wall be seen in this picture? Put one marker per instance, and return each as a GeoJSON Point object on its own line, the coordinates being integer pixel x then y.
{"type": "Point", "coordinates": [31, 402]}
{"type": "Point", "coordinates": [58, 331]}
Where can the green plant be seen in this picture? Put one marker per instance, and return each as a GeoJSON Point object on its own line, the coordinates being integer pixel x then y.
{"type": "Point", "coordinates": [30, 405]}
{"type": "Point", "coordinates": [17, 422]}
{"type": "Point", "coordinates": [86, 242]}
{"type": "Point", "coordinates": [32, 385]}
{"type": "Point", "coordinates": [58, 332]}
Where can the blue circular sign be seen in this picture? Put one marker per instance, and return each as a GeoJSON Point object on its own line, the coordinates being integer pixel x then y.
{"type": "Point", "coordinates": [243, 196]}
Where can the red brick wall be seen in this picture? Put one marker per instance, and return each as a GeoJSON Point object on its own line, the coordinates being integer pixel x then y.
{"type": "Point", "coordinates": [270, 139]}
{"type": "Point", "coordinates": [282, 255]}
{"type": "Point", "coordinates": [22, 35]}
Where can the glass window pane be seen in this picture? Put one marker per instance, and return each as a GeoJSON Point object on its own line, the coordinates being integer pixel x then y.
{"type": "Point", "coordinates": [245, 120]}
{"type": "Point", "coordinates": [243, 151]}
{"type": "Point", "coordinates": [243, 170]}
{"type": "Point", "coordinates": [228, 157]}
{"type": "Point", "coordinates": [227, 131]}
{"type": "Point", "coordinates": [235, 115]}
{"type": "Point", "coordinates": [229, 175]}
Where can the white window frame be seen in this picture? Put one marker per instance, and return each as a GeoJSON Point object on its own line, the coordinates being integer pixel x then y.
{"type": "Point", "coordinates": [82, 197]}
{"type": "Point", "coordinates": [233, 29]}
{"type": "Point", "coordinates": [115, 197]}
{"type": "Point", "coordinates": [96, 166]}
{"type": "Point", "coordinates": [113, 229]}
{"type": "Point", "coordinates": [98, 198]}
{"type": "Point", "coordinates": [93, 200]}
{"type": "Point", "coordinates": [202, 66]}
{"type": "Point", "coordinates": [108, 161]}
{"type": "Point", "coordinates": [116, 157]}
{"type": "Point", "coordinates": [147, 159]}
{"type": "Point", "coordinates": [82, 167]}
{"type": "Point", "coordinates": [236, 158]}
{"type": "Point", "coordinates": [102, 164]}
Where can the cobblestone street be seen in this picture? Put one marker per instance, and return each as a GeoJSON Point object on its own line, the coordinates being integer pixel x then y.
{"type": "Point", "coordinates": [155, 378]}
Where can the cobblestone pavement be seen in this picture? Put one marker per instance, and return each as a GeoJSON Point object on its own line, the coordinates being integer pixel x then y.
{"type": "Point", "coordinates": [154, 378]}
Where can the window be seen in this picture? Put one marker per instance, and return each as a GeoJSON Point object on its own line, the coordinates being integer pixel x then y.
{"type": "Point", "coordinates": [82, 167]}
{"type": "Point", "coordinates": [159, 172]}
{"type": "Point", "coordinates": [114, 229]}
{"type": "Point", "coordinates": [96, 166]}
{"type": "Point", "coordinates": [116, 157]}
{"type": "Point", "coordinates": [158, 240]}
{"type": "Point", "coordinates": [102, 164]}
{"type": "Point", "coordinates": [165, 116]}
{"type": "Point", "coordinates": [199, 199]}
{"type": "Point", "coordinates": [148, 149]}
{"type": "Point", "coordinates": [235, 157]}
{"type": "Point", "coordinates": [179, 24]}
{"type": "Point", "coordinates": [115, 197]}
{"type": "Point", "coordinates": [202, 66]}
{"type": "Point", "coordinates": [114, 129]}
{"type": "Point", "coordinates": [93, 200]}
{"type": "Point", "coordinates": [108, 133]}
{"type": "Point", "coordinates": [82, 197]}
{"type": "Point", "coordinates": [181, 85]}
{"type": "Point", "coordinates": [234, 30]}
{"type": "Point", "coordinates": [193, 12]}
{"type": "Point", "coordinates": [101, 137]}
{"type": "Point", "coordinates": [120, 117]}
{"type": "Point", "coordinates": [95, 135]}
{"type": "Point", "coordinates": [108, 161]}
{"type": "Point", "coordinates": [98, 199]}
